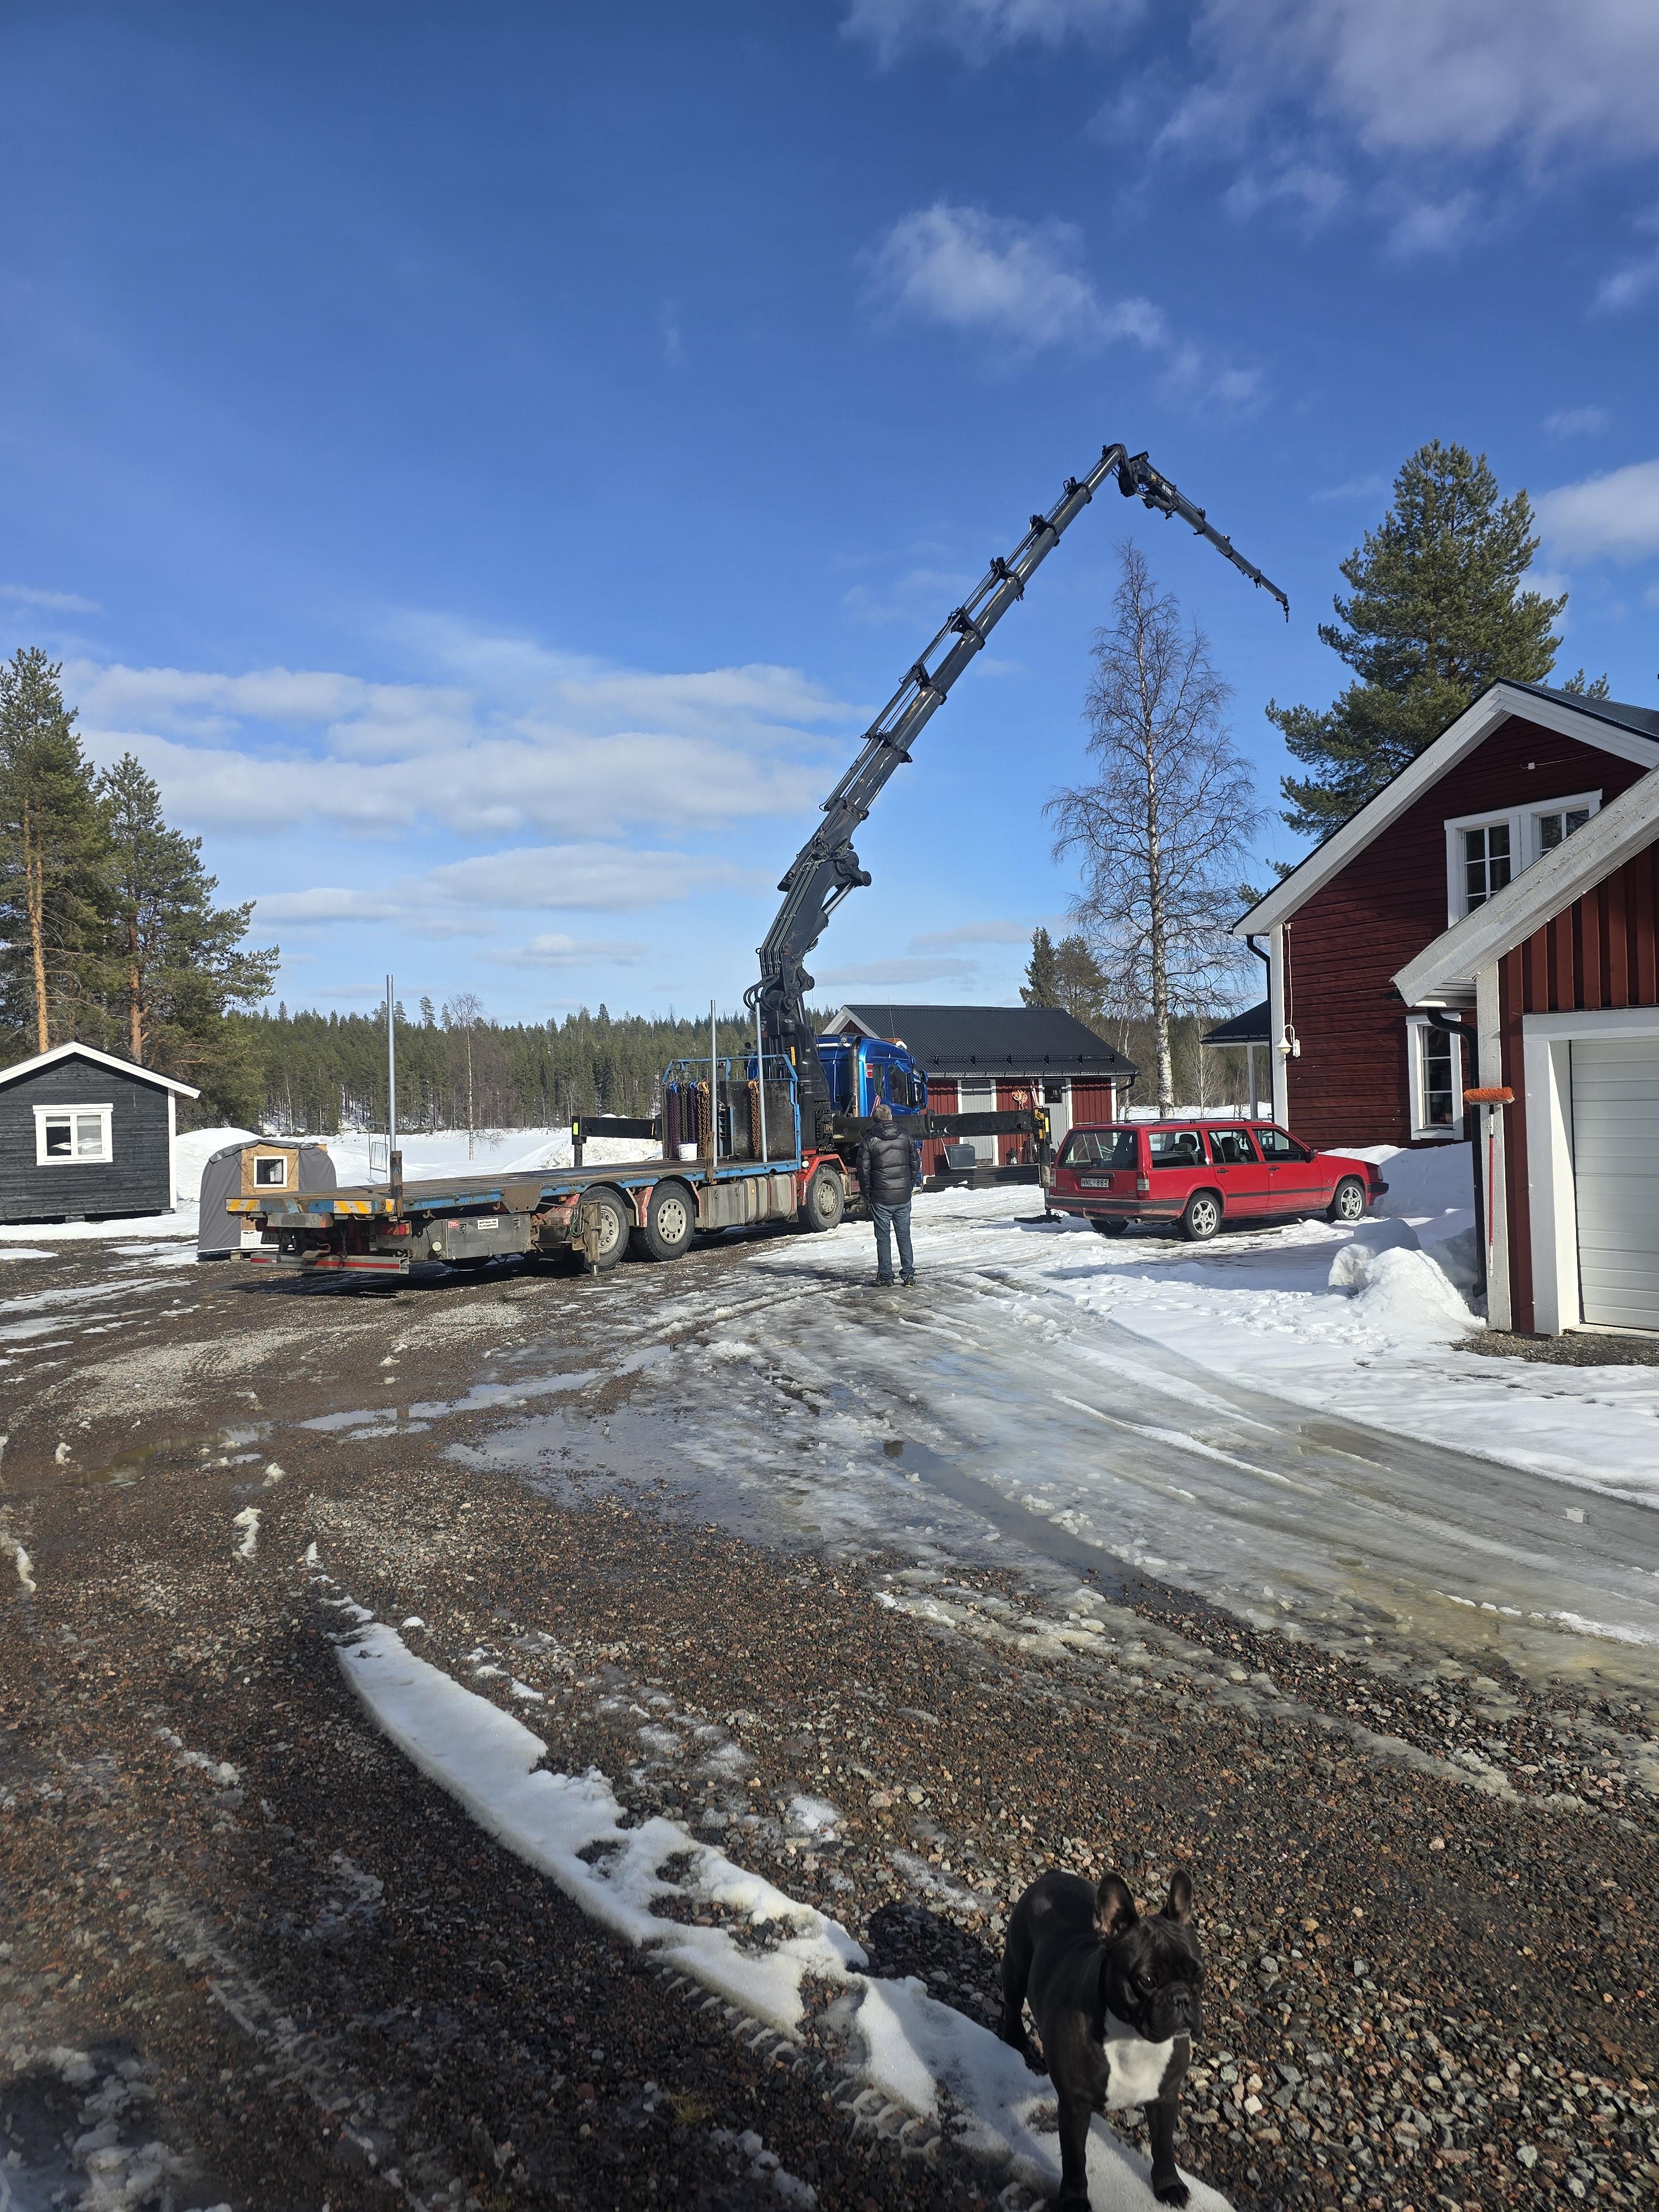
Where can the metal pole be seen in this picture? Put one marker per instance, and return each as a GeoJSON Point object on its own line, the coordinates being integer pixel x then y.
{"type": "Point", "coordinates": [391, 1076]}
{"type": "Point", "coordinates": [760, 1079]}
{"type": "Point", "coordinates": [714, 1089]}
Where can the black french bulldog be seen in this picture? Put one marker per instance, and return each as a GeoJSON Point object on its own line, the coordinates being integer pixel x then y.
{"type": "Point", "coordinates": [1115, 2001]}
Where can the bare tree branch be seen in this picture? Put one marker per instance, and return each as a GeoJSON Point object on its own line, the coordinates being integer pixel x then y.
{"type": "Point", "coordinates": [1164, 829]}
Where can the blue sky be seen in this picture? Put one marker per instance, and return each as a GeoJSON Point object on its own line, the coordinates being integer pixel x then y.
{"type": "Point", "coordinates": [490, 462]}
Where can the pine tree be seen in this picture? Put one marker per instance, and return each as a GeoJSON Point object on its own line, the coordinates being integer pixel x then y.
{"type": "Point", "coordinates": [175, 964]}
{"type": "Point", "coordinates": [51, 845]}
{"type": "Point", "coordinates": [1437, 614]}
{"type": "Point", "coordinates": [1080, 983]}
{"type": "Point", "coordinates": [1042, 984]}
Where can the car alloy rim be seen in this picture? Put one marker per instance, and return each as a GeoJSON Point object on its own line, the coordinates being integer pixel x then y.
{"type": "Point", "coordinates": [1205, 1215]}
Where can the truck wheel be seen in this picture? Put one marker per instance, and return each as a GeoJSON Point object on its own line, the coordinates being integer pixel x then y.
{"type": "Point", "coordinates": [1347, 1200]}
{"type": "Point", "coordinates": [1201, 1217]}
{"type": "Point", "coordinates": [825, 1202]}
{"type": "Point", "coordinates": [609, 1216]}
{"type": "Point", "coordinates": [671, 1216]}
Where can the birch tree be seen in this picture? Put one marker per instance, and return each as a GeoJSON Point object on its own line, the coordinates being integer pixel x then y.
{"type": "Point", "coordinates": [1163, 828]}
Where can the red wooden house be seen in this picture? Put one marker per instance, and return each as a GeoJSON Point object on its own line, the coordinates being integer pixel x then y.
{"type": "Point", "coordinates": [1504, 807]}
{"type": "Point", "coordinates": [984, 1060]}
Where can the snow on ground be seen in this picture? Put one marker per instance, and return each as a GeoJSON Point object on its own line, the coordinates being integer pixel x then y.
{"type": "Point", "coordinates": [1352, 1322]}
{"type": "Point", "coordinates": [916, 2050]}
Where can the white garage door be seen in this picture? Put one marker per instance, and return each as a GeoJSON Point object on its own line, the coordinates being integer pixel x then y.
{"type": "Point", "coordinates": [1615, 1151]}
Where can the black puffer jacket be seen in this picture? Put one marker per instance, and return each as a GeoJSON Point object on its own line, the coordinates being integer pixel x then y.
{"type": "Point", "coordinates": [890, 1161]}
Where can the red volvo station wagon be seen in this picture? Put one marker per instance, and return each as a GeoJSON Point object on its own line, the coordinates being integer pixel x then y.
{"type": "Point", "coordinates": [1198, 1173]}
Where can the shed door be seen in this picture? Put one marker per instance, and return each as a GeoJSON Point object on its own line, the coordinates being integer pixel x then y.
{"type": "Point", "coordinates": [1615, 1154]}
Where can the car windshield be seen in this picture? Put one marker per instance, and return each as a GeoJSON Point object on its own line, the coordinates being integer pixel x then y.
{"type": "Point", "coordinates": [1099, 1148]}
{"type": "Point", "coordinates": [1174, 1148]}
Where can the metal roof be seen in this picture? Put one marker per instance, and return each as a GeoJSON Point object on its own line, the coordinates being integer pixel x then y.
{"type": "Point", "coordinates": [1248, 1028]}
{"type": "Point", "coordinates": [991, 1040]}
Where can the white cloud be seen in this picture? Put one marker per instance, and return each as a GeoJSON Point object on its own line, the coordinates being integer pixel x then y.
{"type": "Point", "coordinates": [1447, 78]}
{"type": "Point", "coordinates": [972, 933]}
{"type": "Point", "coordinates": [1614, 517]}
{"type": "Point", "coordinates": [1356, 487]}
{"type": "Point", "coordinates": [1020, 282]}
{"type": "Point", "coordinates": [56, 602]}
{"type": "Point", "coordinates": [555, 951]}
{"type": "Point", "coordinates": [524, 739]}
{"type": "Point", "coordinates": [1629, 286]}
{"type": "Point", "coordinates": [978, 28]}
{"type": "Point", "coordinates": [898, 974]}
{"type": "Point", "coordinates": [1577, 421]}
{"type": "Point", "coordinates": [1433, 226]}
{"type": "Point", "coordinates": [450, 900]}
{"type": "Point", "coordinates": [1307, 188]}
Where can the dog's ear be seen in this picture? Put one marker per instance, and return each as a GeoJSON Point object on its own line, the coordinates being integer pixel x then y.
{"type": "Point", "coordinates": [1180, 1904]}
{"type": "Point", "coordinates": [1115, 1909]}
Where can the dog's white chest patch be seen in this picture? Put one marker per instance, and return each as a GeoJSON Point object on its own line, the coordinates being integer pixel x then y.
{"type": "Point", "coordinates": [1136, 2067]}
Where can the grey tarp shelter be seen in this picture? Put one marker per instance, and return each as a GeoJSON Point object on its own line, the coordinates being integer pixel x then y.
{"type": "Point", "coordinates": [229, 1174]}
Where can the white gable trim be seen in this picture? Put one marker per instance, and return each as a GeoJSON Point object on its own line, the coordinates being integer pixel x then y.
{"type": "Point", "coordinates": [1471, 728]}
{"type": "Point", "coordinates": [1622, 829]}
{"type": "Point", "coordinates": [843, 1019]}
{"type": "Point", "coordinates": [87, 1052]}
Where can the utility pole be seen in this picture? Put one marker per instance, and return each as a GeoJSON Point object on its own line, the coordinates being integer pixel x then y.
{"type": "Point", "coordinates": [394, 1159]}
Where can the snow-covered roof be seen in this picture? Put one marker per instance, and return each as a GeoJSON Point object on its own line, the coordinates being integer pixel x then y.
{"type": "Point", "coordinates": [1446, 968]}
{"type": "Point", "coordinates": [1631, 733]}
{"type": "Point", "coordinates": [22, 1067]}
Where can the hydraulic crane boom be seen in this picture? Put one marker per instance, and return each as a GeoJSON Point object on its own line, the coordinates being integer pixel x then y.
{"type": "Point", "coordinates": [826, 868]}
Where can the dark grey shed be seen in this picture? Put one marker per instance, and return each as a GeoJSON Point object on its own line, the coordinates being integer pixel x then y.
{"type": "Point", "coordinates": [86, 1136]}
{"type": "Point", "coordinates": [251, 1164]}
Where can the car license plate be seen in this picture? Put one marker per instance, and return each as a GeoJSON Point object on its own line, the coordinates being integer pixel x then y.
{"type": "Point", "coordinates": [1095, 1182]}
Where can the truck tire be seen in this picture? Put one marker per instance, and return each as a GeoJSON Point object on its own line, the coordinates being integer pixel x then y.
{"type": "Point", "coordinates": [1201, 1217]}
{"type": "Point", "coordinates": [670, 1216]}
{"type": "Point", "coordinates": [612, 1226]}
{"type": "Point", "coordinates": [825, 1204]}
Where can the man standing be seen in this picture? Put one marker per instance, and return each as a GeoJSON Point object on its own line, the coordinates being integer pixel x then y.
{"type": "Point", "coordinates": [889, 1164]}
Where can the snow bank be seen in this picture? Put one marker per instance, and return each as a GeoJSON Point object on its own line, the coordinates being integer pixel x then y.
{"type": "Point", "coordinates": [915, 2050]}
{"type": "Point", "coordinates": [1400, 1290]}
{"type": "Point", "coordinates": [1423, 1180]}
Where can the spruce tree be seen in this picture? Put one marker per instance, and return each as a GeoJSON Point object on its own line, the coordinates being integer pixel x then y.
{"type": "Point", "coordinates": [174, 963]}
{"type": "Point", "coordinates": [51, 846]}
{"type": "Point", "coordinates": [1438, 613]}
{"type": "Point", "coordinates": [1042, 984]}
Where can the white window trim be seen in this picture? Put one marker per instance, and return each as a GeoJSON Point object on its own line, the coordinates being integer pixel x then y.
{"type": "Point", "coordinates": [1524, 847]}
{"type": "Point", "coordinates": [265, 1159]}
{"type": "Point", "coordinates": [1546, 1048]}
{"type": "Point", "coordinates": [43, 1158]}
{"type": "Point", "coordinates": [1422, 1132]}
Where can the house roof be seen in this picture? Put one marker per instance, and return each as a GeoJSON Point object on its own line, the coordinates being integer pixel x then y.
{"type": "Point", "coordinates": [22, 1067]}
{"type": "Point", "coordinates": [970, 1040]}
{"type": "Point", "coordinates": [1631, 733]}
{"type": "Point", "coordinates": [1248, 1028]}
{"type": "Point", "coordinates": [1444, 972]}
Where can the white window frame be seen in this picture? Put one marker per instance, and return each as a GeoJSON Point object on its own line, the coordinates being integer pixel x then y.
{"type": "Point", "coordinates": [1524, 844]}
{"type": "Point", "coordinates": [102, 1159]}
{"type": "Point", "coordinates": [270, 1159]}
{"type": "Point", "coordinates": [1424, 1132]}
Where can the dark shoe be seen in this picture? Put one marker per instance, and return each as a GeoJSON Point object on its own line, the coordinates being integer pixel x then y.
{"type": "Point", "coordinates": [883, 1282]}
{"type": "Point", "coordinates": [909, 1281]}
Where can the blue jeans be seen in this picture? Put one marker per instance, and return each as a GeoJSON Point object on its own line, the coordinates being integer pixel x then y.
{"type": "Point", "coordinates": [889, 1219]}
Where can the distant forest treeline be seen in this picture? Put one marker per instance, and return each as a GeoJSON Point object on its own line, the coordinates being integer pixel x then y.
{"type": "Point", "coordinates": [457, 1069]}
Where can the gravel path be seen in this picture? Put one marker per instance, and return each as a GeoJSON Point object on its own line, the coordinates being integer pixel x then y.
{"type": "Point", "coordinates": [257, 1960]}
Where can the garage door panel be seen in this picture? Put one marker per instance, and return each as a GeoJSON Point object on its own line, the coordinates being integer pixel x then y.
{"type": "Point", "coordinates": [1616, 1150]}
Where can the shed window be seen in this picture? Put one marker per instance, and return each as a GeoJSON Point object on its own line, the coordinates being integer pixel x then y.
{"type": "Point", "coordinates": [271, 1171]}
{"type": "Point", "coordinates": [71, 1136]}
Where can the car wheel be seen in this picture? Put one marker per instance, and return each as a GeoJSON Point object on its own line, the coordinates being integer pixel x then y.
{"type": "Point", "coordinates": [1108, 1228]}
{"type": "Point", "coordinates": [604, 1221]}
{"type": "Point", "coordinates": [825, 1201]}
{"type": "Point", "coordinates": [1347, 1200]}
{"type": "Point", "coordinates": [671, 1216]}
{"type": "Point", "coordinates": [1201, 1217]}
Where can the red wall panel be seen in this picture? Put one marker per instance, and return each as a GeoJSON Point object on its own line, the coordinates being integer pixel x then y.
{"type": "Point", "coordinates": [1345, 945]}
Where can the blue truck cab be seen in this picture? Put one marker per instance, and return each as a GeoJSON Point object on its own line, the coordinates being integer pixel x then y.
{"type": "Point", "coordinates": [861, 1072]}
